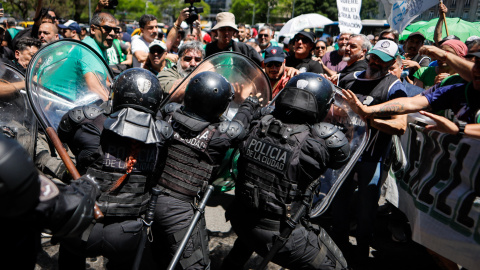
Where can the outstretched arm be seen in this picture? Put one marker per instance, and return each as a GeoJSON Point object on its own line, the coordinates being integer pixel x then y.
{"type": "Point", "coordinates": [460, 65]}
{"type": "Point", "coordinates": [442, 10]}
{"type": "Point", "coordinates": [446, 126]}
{"type": "Point", "coordinates": [396, 106]}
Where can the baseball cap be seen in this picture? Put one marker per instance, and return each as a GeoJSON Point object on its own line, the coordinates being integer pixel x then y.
{"type": "Point", "coordinates": [385, 49]}
{"type": "Point", "coordinates": [70, 24]}
{"type": "Point", "coordinates": [416, 34]}
{"type": "Point", "coordinates": [157, 42]}
{"type": "Point", "coordinates": [274, 54]}
{"type": "Point", "coordinates": [474, 54]}
{"type": "Point", "coordinates": [309, 35]}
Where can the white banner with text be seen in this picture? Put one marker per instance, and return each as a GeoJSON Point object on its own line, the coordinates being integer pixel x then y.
{"type": "Point", "coordinates": [401, 12]}
{"type": "Point", "coordinates": [349, 20]}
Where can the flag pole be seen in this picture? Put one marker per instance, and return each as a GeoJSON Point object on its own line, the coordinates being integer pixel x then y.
{"type": "Point", "coordinates": [445, 20]}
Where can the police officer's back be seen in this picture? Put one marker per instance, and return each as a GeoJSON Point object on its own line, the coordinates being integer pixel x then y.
{"type": "Point", "coordinates": [281, 156]}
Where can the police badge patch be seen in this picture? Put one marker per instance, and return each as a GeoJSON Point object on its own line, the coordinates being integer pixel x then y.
{"type": "Point", "coordinates": [267, 154]}
{"type": "Point", "coordinates": [143, 85]}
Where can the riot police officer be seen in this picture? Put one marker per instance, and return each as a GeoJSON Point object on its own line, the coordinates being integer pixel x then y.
{"type": "Point", "coordinates": [31, 203]}
{"type": "Point", "coordinates": [193, 157]}
{"type": "Point", "coordinates": [284, 153]}
{"type": "Point", "coordinates": [119, 150]}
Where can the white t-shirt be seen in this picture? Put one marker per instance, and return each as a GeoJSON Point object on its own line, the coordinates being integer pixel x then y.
{"type": "Point", "coordinates": [139, 44]}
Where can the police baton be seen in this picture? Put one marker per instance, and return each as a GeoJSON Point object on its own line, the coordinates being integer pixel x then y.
{"type": "Point", "coordinates": [199, 212]}
{"type": "Point", "coordinates": [147, 223]}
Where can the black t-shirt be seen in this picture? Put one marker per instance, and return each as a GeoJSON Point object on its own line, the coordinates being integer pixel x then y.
{"type": "Point", "coordinates": [304, 65]}
{"type": "Point", "coordinates": [357, 66]}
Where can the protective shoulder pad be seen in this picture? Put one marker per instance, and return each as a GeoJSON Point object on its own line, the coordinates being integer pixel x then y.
{"type": "Point", "coordinates": [172, 107]}
{"type": "Point", "coordinates": [233, 129]}
{"type": "Point", "coordinates": [324, 130]}
{"type": "Point", "coordinates": [76, 114]}
{"type": "Point", "coordinates": [92, 111]}
{"type": "Point", "coordinates": [164, 128]}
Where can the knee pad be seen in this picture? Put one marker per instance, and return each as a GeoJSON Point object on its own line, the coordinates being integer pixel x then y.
{"type": "Point", "coordinates": [328, 252]}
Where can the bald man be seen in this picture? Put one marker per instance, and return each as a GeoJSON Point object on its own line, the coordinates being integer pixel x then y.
{"type": "Point", "coordinates": [47, 33]}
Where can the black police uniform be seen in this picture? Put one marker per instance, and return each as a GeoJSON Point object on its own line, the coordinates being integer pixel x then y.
{"type": "Point", "coordinates": [30, 203]}
{"type": "Point", "coordinates": [193, 157]}
{"type": "Point", "coordinates": [120, 152]}
{"type": "Point", "coordinates": [278, 161]}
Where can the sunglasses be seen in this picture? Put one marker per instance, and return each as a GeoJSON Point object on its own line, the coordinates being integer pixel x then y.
{"type": "Point", "coordinates": [189, 58]}
{"type": "Point", "coordinates": [271, 64]}
{"type": "Point", "coordinates": [321, 47]}
{"type": "Point", "coordinates": [303, 39]}
{"type": "Point", "coordinates": [263, 35]}
{"type": "Point", "coordinates": [108, 29]}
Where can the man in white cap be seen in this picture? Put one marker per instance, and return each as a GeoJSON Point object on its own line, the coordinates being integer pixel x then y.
{"type": "Point", "coordinates": [226, 29]}
{"type": "Point", "coordinates": [156, 57]}
{"type": "Point", "coordinates": [372, 86]}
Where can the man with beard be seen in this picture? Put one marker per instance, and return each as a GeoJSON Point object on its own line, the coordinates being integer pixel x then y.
{"type": "Point", "coordinates": [355, 51]}
{"type": "Point", "coordinates": [242, 33]}
{"type": "Point", "coordinates": [275, 68]}
{"type": "Point", "coordinates": [149, 28]}
{"type": "Point", "coordinates": [302, 58]}
{"type": "Point", "coordinates": [413, 60]}
{"type": "Point", "coordinates": [373, 86]}
{"type": "Point", "coordinates": [47, 32]}
{"type": "Point", "coordinates": [226, 28]}
{"type": "Point", "coordinates": [332, 61]}
{"type": "Point", "coordinates": [190, 55]}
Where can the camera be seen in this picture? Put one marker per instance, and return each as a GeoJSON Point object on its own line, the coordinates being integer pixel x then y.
{"type": "Point", "coordinates": [112, 4]}
{"type": "Point", "coordinates": [194, 11]}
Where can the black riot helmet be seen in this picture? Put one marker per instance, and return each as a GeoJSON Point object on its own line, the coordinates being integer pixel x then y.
{"type": "Point", "coordinates": [207, 96]}
{"type": "Point", "coordinates": [307, 97]}
{"type": "Point", "coordinates": [137, 88]}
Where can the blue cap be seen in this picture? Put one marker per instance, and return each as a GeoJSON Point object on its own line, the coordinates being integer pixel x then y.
{"type": "Point", "coordinates": [274, 54]}
{"type": "Point", "coordinates": [72, 25]}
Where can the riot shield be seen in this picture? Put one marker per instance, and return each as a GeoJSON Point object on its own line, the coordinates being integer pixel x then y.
{"type": "Point", "coordinates": [63, 75]}
{"type": "Point", "coordinates": [357, 132]}
{"type": "Point", "coordinates": [16, 117]}
{"type": "Point", "coordinates": [236, 68]}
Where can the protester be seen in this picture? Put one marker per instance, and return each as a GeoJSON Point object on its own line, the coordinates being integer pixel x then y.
{"type": "Point", "coordinates": [389, 34]}
{"type": "Point", "coordinates": [413, 60]}
{"type": "Point", "coordinates": [275, 68]}
{"type": "Point", "coordinates": [83, 33]}
{"type": "Point", "coordinates": [426, 77]}
{"type": "Point", "coordinates": [47, 33]}
{"type": "Point", "coordinates": [103, 31]}
{"type": "Point", "coordinates": [242, 33]}
{"type": "Point", "coordinates": [25, 49]}
{"type": "Point", "coordinates": [122, 162]}
{"type": "Point", "coordinates": [462, 98]}
{"type": "Point", "coordinates": [149, 29]}
{"type": "Point", "coordinates": [397, 70]}
{"type": "Point", "coordinates": [156, 57]}
{"type": "Point", "coordinates": [197, 148]}
{"type": "Point", "coordinates": [270, 191]}
{"type": "Point", "coordinates": [175, 33]}
{"type": "Point", "coordinates": [190, 55]}
{"type": "Point", "coordinates": [301, 59]}
{"type": "Point", "coordinates": [320, 50]}
{"type": "Point", "coordinates": [11, 32]}
{"type": "Point", "coordinates": [265, 38]}
{"type": "Point", "coordinates": [357, 47]}
{"type": "Point", "coordinates": [5, 52]}
{"type": "Point", "coordinates": [373, 86]}
{"type": "Point", "coordinates": [226, 28]}
{"type": "Point", "coordinates": [333, 60]}
{"type": "Point", "coordinates": [71, 29]}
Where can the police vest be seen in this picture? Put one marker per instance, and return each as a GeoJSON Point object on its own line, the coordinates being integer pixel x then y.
{"type": "Point", "coordinates": [269, 166]}
{"type": "Point", "coordinates": [188, 168]}
{"type": "Point", "coordinates": [131, 197]}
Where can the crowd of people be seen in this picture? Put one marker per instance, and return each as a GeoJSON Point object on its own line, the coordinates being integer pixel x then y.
{"type": "Point", "coordinates": [179, 148]}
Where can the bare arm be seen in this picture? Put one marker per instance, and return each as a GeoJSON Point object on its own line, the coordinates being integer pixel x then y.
{"type": "Point", "coordinates": [460, 65]}
{"type": "Point", "coordinates": [396, 106]}
{"type": "Point", "coordinates": [37, 13]}
{"type": "Point", "coordinates": [417, 82]}
{"type": "Point", "coordinates": [172, 35]}
{"type": "Point", "coordinates": [397, 125]}
{"type": "Point", "coordinates": [101, 4]}
{"type": "Point", "coordinates": [442, 10]}
{"type": "Point", "coordinates": [95, 86]}
{"type": "Point", "coordinates": [328, 71]}
{"type": "Point", "coordinates": [446, 126]}
{"type": "Point", "coordinates": [141, 56]}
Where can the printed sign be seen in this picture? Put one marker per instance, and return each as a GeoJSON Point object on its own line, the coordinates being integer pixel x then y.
{"type": "Point", "coordinates": [349, 20]}
{"type": "Point", "coordinates": [401, 12]}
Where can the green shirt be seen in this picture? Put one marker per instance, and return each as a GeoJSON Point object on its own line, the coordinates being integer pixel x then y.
{"type": "Point", "coordinates": [426, 75]}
